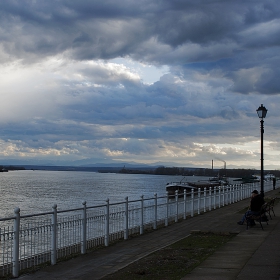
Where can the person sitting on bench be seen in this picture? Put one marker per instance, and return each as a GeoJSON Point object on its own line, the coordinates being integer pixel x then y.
{"type": "Point", "coordinates": [255, 206]}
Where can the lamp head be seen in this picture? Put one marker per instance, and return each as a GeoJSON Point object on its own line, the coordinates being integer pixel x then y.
{"type": "Point", "coordinates": [262, 112]}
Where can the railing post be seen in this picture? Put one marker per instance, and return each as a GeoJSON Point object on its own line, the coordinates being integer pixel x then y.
{"type": "Point", "coordinates": [155, 221]}
{"type": "Point", "coordinates": [227, 195]}
{"type": "Point", "coordinates": [214, 197]}
{"type": "Point", "coordinates": [107, 216]}
{"type": "Point", "coordinates": [198, 201]}
{"type": "Point", "coordinates": [219, 196]}
{"type": "Point", "coordinates": [142, 215]}
{"type": "Point", "coordinates": [248, 189]}
{"type": "Point", "coordinates": [54, 235]}
{"type": "Point", "coordinates": [210, 199]}
{"type": "Point", "coordinates": [84, 228]}
{"type": "Point", "coordinates": [239, 192]}
{"type": "Point", "coordinates": [167, 210]}
{"type": "Point", "coordinates": [16, 243]}
{"type": "Point", "coordinates": [185, 204]}
{"type": "Point", "coordinates": [230, 194]}
{"type": "Point", "coordinates": [223, 204]}
{"type": "Point", "coordinates": [204, 202]}
{"type": "Point", "coordinates": [177, 206]}
{"type": "Point", "coordinates": [192, 203]}
{"type": "Point", "coordinates": [126, 219]}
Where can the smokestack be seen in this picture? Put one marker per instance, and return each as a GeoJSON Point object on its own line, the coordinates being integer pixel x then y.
{"type": "Point", "coordinates": [225, 165]}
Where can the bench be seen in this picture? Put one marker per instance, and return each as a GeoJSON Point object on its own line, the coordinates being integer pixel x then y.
{"type": "Point", "coordinates": [260, 217]}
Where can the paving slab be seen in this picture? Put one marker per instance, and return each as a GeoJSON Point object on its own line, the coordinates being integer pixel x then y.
{"type": "Point", "coordinates": [252, 254]}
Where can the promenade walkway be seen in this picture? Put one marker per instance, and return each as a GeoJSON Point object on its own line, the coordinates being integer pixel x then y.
{"type": "Point", "coordinates": [252, 254]}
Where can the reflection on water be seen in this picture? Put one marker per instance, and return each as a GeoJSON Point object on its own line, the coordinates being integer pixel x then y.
{"type": "Point", "coordinates": [38, 191]}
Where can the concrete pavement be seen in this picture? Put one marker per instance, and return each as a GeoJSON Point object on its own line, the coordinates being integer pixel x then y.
{"type": "Point", "coordinates": [252, 254]}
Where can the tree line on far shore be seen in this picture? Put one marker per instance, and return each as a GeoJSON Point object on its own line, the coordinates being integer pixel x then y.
{"type": "Point", "coordinates": [233, 173]}
{"type": "Point", "coordinates": [184, 171]}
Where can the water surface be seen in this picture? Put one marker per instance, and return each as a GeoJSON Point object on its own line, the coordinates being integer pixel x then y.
{"type": "Point", "coordinates": [37, 191]}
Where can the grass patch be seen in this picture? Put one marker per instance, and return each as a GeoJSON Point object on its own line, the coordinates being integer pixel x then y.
{"type": "Point", "coordinates": [175, 261]}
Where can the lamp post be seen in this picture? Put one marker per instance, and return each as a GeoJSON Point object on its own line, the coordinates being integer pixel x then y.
{"type": "Point", "coordinates": [262, 113]}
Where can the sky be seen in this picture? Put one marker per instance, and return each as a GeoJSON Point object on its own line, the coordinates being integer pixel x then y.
{"type": "Point", "coordinates": [152, 82]}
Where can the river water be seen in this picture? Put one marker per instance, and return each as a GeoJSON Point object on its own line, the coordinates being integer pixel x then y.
{"type": "Point", "coordinates": [37, 191]}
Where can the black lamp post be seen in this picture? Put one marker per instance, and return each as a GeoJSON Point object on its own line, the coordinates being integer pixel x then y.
{"type": "Point", "coordinates": [262, 113]}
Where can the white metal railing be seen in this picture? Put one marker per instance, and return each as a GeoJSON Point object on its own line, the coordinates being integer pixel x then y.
{"type": "Point", "coordinates": [30, 240]}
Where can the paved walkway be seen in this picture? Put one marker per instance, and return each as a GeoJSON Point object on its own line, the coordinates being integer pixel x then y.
{"type": "Point", "coordinates": [252, 254]}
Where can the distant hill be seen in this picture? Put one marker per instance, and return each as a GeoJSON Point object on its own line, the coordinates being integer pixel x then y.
{"type": "Point", "coordinates": [92, 168]}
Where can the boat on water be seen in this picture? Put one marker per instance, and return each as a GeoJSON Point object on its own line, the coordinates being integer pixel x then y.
{"type": "Point", "coordinates": [255, 178]}
{"type": "Point", "coordinates": [172, 187]}
{"type": "Point", "coordinates": [214, 179]}
{"type": "Point", "coordinates": [249, 179]}
{"type": "Point", "coordinates": [269, 177]}
{"type": "Point", "coordinates": [181, 186]}
{"type": "Point", "coordinates": [4, 170]}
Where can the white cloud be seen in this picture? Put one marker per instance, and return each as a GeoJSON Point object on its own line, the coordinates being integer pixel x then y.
{"type": "Point", "coordinates": [148, 73]}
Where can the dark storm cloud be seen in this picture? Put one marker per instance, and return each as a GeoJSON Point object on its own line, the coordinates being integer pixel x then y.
{"type": "Point", "coordinates": [64, 95]}
{"type": "Point", "coordinates": [89, 29]}
{"type": "Point", "coordinates": [166, 32]}
{"type": "Point", "coordinates": [95, 29]}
